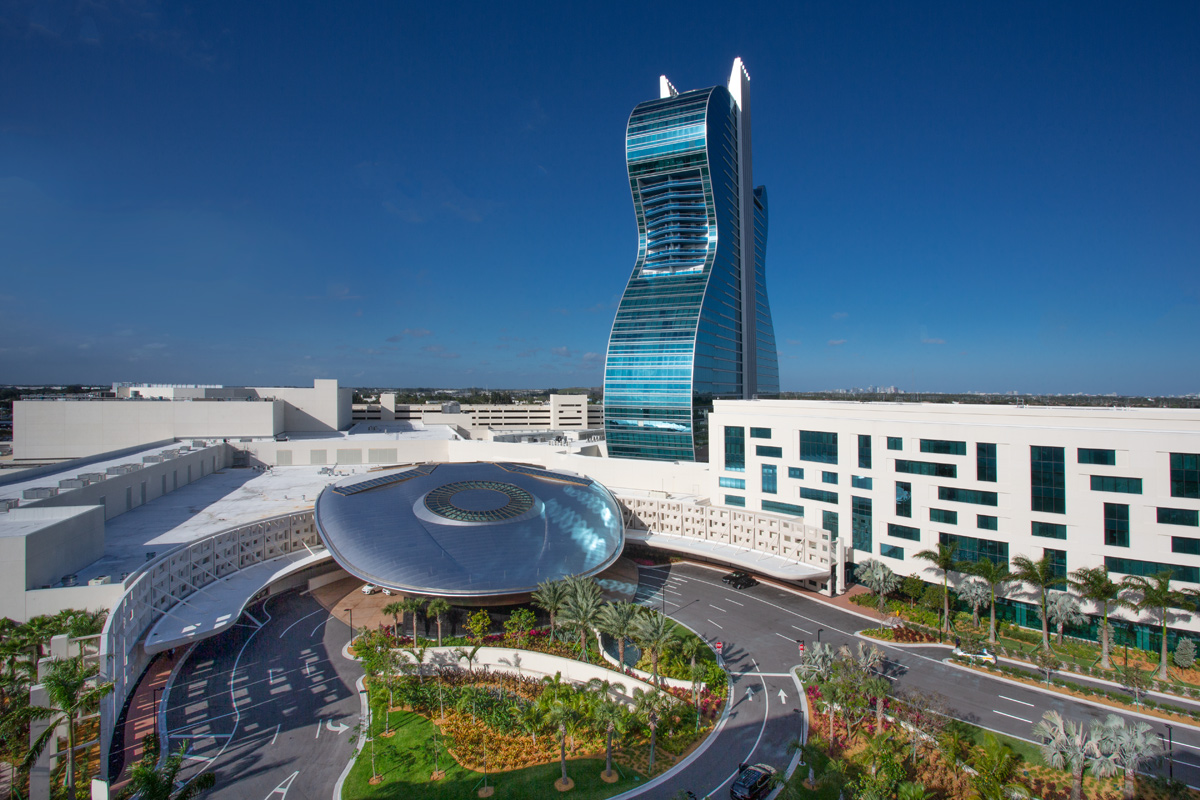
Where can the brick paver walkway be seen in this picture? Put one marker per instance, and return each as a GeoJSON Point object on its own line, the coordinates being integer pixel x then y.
{"type": "Point", "coordinates": [142, 715]}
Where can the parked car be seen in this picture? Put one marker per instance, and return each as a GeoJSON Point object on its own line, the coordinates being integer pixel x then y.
{"type": "Point", "coordinates": [985, 656]}
{"type": "Point", "coordinates": [388, 591]}
{"type": "Point", "coordinates": [369, 588]}
{"type": "Point", "coordinates": [734, 576]}
{"type": "Point", "coordinates": [753, 782]}
{"type": "Point", "coordinates": [744, 582]}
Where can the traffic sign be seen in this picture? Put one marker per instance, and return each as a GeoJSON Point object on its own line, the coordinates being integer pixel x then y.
{"type": "Point", "coordinates": [719, 646]}
{"type": "Point", "coordinates": [800, 642]}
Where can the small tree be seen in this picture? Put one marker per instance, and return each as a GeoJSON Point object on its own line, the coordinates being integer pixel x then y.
{"type": "Point", "coordinates": [976, 594]}
{"type": "Point", "coordinates": [148, 781]}
{"type": "Point", "coordinates": [479, 624]}
{"type": "Point", "coordinates": [1136, 680]}
{"type": "Point", "coordinates": [1064, 610]}
{"type": "Point", "coordinates": [1071, 746]}
{"type": "Point", "coordinates": [1185, 654]}
{"type": "Point", "coordinates": [518, 625]}
{"type": "Point", "coordinates": [437, 608]}
{"type": "Point", "coordinates": [72, 689]}
{"type": "Point", "coordinates": [1047, 662]}
{"type": "Point", "coordinates": [879, 578]}
{"type": "Point", "coordinates": [913, 588]}
{"type": "Point", "coordinates": [942, 560]}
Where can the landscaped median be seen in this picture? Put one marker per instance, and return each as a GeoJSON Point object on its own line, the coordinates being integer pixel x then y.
{"type": "Point", "coordinates": [451, 720]}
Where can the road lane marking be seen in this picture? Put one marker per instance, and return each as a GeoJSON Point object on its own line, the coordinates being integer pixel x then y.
{"type": "Point", "coordinates": [718, 608]}
{"type": "Point", "coordinates": [1013, 700]}
{"type": "Point", "coordinates": [313, 632]}
{"type": "Point", "coordinates": [781, 636]}
{"type": "Point", "coordinates": [710, 622]}
{"type": "Point", "coordinates": [735, 602]}
{"type": "Point", "coordinates": [761, 729]}
{"type": "Point", "coordinates": [318, 736]}
{"type": "Point", "coordinates": [282, 789]}
{"type": "Point", "coordinates": [1010, 716]}
{"type": "Point", "coordinates": [797, 627]}
{"type": "Point", "coordinates": [297, 622]}
{"type": "Point", "coordinates": [677, 594]}
{"type": "Point", "coordinates": [276, 736]}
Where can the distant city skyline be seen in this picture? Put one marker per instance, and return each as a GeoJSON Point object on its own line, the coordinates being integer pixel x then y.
{"type": "Point", "coordinates": [962, 199]}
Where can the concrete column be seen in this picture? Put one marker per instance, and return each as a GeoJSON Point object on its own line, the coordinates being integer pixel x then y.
{"type": "Point", "coordinates": [39, 775]}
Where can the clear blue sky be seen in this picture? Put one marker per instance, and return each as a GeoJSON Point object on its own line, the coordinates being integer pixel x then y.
{"type": "Point", "coordinates": [963, 196]}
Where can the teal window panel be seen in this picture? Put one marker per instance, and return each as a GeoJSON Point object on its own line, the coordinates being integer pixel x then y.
{"type": "Point", "coordinates": [987, 523]}
{"type": "Point", "coordinates": [735, 449]}
{"type": "Point", "coordinates": [1048, 479]}
{"type": "Point", "coordinates": [1185, 545]}
{"type": "Point", "coordinates": [943, 447]}
{"type": "Point", "coordinates": [1109, 483]}
{"type": "Point", "coordinates": [820, 495]}
{"type": "Point", "coordinates": [860, 482]}
{"type": "Point", "coordinates": [1116, 525]}
{"type": "Point", "coordinates": [904, 532]}
{"type": "Point", "coordinates": [1058, 562]}
{"type": "Point", "coordinates": [795, 472]}
{"type": "Point", "coordinates": [766, 451]}
{"type": "Point", "coordinates": [975, 496]}
{"type": "Point", "coordinates": [895, 443]}
{"type": "Point", "coordinates": [985, 462]}
{"type": "Point", "coordinates": [1179, 516]}
{"type": "Point", "coordinates": [1133, 566]}
{"type": "Point", "coordinates": [829, 521]}
{"type": "Point", "coordinates": [783, 508]}
{"type": "Point", "coordinates": [829, 477]}
{"type": "Point", "coordinates": [972, 549]}
{"type": "Point", "coordinates": [819, 446]}
{"type": "Point", "coordinates": [1049, 530]}
{"type": "Point", "coordinates": [735, 500]}
{"type": "Point", "coordinates": [926, 468]}
{"type": "Point", "coordinates": [903, 499]}
{"type": "Point", "coordinates": [1089, 455]}
{"type": "Point", "coordinates": [864, 451]}
{"type": "Point", "coordinates": [1185, 475]}
{"type": "Point", "coordinates": [760, 433]}
{"type": "Point", "coordinates": [770, 479]}
{"type": "Point", "coordinates": [860, 523]}
{"type": "Point", "coordinates": [733, 483]}
{"type": "Point", "coordinates": [891, 551]}
{"type": "Point", "coordinates": [944, 516]}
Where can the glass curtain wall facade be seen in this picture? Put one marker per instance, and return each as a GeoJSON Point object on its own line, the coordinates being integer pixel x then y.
{"type": "Point", "coordinates": [694, 323]}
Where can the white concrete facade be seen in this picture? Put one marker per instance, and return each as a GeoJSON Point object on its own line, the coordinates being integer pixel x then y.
{"type": "Point", "coordinates": [1139, 442]}
{"type": "Point", "coordinates": [563, 412]}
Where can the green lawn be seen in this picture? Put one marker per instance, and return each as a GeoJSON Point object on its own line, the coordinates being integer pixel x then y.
{"type": "Point", "coordinates": [1028, 751]}
{"type": "Point", "coordinates": [405, 766]}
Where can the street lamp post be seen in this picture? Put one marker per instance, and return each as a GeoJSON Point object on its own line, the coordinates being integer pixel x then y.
{"type": "Point", "coordinates": [1170, 753]}
{"type": "Point", "coordinates": [350, 611]}
{"type": "Point", "coordinates": [819, 630]}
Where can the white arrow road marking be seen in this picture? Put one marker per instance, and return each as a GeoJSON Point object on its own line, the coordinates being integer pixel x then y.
{"type": "Point", "coordinates": [282, 789]}
{"type": "Point", "coordinates": [782, 696]}
{"type": "Point", "coordinates": [318, 736]}
{"type": "Point", "coordinates": [339, 728]}
{"type": "Point", "coordinates": [276, 736]}
{"type": "Point", "coordinates": [750, 693]}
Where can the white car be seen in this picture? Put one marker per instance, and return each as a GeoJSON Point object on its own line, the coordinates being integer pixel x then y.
{"type": "Point", "coordinates": [388, 591]}
{"type": "Point", "coordinates": [369, 588]}
{"type": "Point", "coordinates": [985, 656]}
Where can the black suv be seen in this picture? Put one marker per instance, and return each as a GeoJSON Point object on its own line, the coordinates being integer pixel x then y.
{"type": "Point", "coordinates": [734, 576]}
{"type": "Point", "coordinates": [753, 782]}
{"type": "Point", "coordinates": [743, 582]}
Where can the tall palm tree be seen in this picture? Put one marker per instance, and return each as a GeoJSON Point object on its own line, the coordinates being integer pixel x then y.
{"type": "Point", "coordinates": [995, 574]}
{"type": "Point", "coordinates": [71, 689]}
{"type": "Point", "coordinates": [150, 782]}
{"type": "Point", "coordinates": [1064, 610]}
{"type": "Point", "coordinates": [649, 707]}
{"type": "Point", "coordinates": [943, 561]}
{"type": "Point", "coordinates": [655, 633]}
{"type": "Point", "coordinates": [879, 578]}
{"type": "Point", "coordinates": [581, 611]}
{"type": "Point", "coordinates": [1154, 595]}
{"type": "Point", "coordinates": [1128, 746]}
{"type": "Point", "coordinates": [436, 608]}
{"type": "Point", "coordinates": [877, 688]}
{"type": "Point", "coordinates": [976, 594]}
{"type": "Point", "coordinates": [613, 717]}
{"type": "Point", "coordinates": [995, 767]}
{"type": "Point", "coordinates": [394, 610]}
{"type": "Point", "coordinates": [549, 597]}
{"type": "Point", "coordinates": [413, 605]}
{"type": "Point", "coordinates": [1041, 576]}
{"type": "Point", "coordinates": [1071, 746]}
{"type": "Point", "coordinates": [617, 619]}
{"type": "Point", "coordinates": [562, 716]}
{"type": "Point", "coordinates": [1093, 584]}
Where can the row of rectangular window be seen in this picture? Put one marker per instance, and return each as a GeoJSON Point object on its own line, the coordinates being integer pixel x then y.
{"type": "Point", "coordinates": [1109, 483]}
{"type": "Point", "coordinates": [943, 447]}
{"type": "Point", "coordinates": [931, 468]}
{"type": "Point", "coordinates": [783, 508]}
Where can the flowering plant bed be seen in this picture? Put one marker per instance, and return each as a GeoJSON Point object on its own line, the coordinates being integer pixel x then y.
{"type": "Point", "coordinates": [900, 635]}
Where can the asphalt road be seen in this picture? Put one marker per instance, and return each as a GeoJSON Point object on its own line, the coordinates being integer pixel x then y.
{"type": "Point", "coordinates": [759, 628]}
{"type": "Point", "coordinates": [270, 705]}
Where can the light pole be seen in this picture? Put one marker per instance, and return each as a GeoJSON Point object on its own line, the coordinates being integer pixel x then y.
{"type": "Point", "coordinates": [350, 611]}
{"type": "Point", "coordinates": [819, 630]}
{"type": "Point", "coordinates": [1170, 752]}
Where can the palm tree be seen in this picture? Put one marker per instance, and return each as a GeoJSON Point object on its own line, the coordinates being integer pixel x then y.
{"type": "Point", "coordinates": [1071, 746]}
{"type": "Point", "coordinates": [879, 578]}
{"type": "Point", "coordinates": [1128, 746]}
{"type": "Point", "coordinates": [995, 574]}
{"type": "Point", "coordinates": [655, 633]}
{"type": "Point", "coordinates": [1064, 610]}
{"type": "Point", "coordinates": [1093, 584]}
{"type": "Point", "coordinates": [649, 706]}
{"type": "Point", "coordinates": [549, 597]}
{"type": "Point", "coordinates": [1042, 577]}
{"type": "Point", "coordinates": [562, 716]}
{"type": "Point", "coordinates": [71, 688]}
{"type": "Point", "coordinates": [413, 605]}
{"type": "Point", "coordinates": [436, 608]}
{"type": "Point", "coordinates": [995, 766]}
{"type": "Point", "coordinates": [942, 560]}
{"type": "Point", "coordinates": [1153, 594]}
{"type": "Point", "coordinates": [85, 623]}
{"type": "Point", "coordinates": [613, 716]}
{"type": "Point", "coordinates": [976, 594]}
{"type": "Point", "coordinates": [617, 619]}
{"type": "Point", "coordinates": [148, 782]}
{"type": "Point", "coordinates": [909, 790]}
{"type": "Point", "coordinates": [581, 610]}
{"type": "Point", "coordinates": [394, 610]}
{"type": "Point", "coordinates": [877, 688]}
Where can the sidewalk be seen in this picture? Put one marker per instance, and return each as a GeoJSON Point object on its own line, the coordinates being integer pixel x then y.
{"type": "Point", "coordinates": [143, 709]}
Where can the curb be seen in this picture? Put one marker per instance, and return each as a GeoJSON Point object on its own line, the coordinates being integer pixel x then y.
{"type": "Point", "coordinates": [362, 738]}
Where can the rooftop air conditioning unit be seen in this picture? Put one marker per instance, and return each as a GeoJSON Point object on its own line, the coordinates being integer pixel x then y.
{"type": "Point", "coordinates": [92, 477]}
{"type": "Point", "coordinates": [72, 483]}
{"type": "Point", "coordinates": [100, 580]}
{"type": "Point", "coordinates": [39, 493]}
{"type": "Point", "coordinates": [70, 580]}
{"type": "Point", "coordinates": [151, 459]}
{"type": "Point", "coordinates": [7, 503]}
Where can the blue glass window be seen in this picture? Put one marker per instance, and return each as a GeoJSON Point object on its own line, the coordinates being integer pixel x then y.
{"type": "Point", "coordinates": [795, 472]}
{"type": "Point", "coordinates": [859, 482]}
{"type": "Point", "coordinates": [864, 451]}
{"type": "Point", "coordinates": [1049, 530]}
{"type": "Point", "coordinates": [943, 447]}
{"type": "Point", "coordinates": [829, 477]}
{"type": "Point", "coordinates": [829, 521]}
{"type": "Point", "coordinates": [1185, 475]}
{"type": "Point", "coordinates": [986, 522]}
{"type": "Point", "coordinates": [1109, 483]}
{"type": "Point", "coordinates": [1116, 525]}
{"type": "Point", "coordinates": [926, 468]}
{"type": "Point", "coordinates": [735, 449]}
{"type": "Point", "coordinates": [818, 446]}
{"type": "Point", "coordinates": [1058, 562]}
{"type": "Point", "coordinates": [1182, 544]}
{"type": "Point", "coordinates": [766, 451]}
{"type": "Point", "coordinates": [1179, 516]}
{"type": "Point", "coordinates": [819, 495]}
{"type": "Point", "coordinates": [985, 462]}
{"type": "Point", "coordinates": [943, 516]}
{"type": "Point", "coordinates": [760, 433]}
{"type": "Point", "coordinates": [895, 443]}
{"type": "Point", "coordinates": [904, 532]}
{"type": "Point", "coordinates": [1131, 566]}
{"type": "Point", "coordinates": [1048, 479]}
{"type": "Point", "coordinates": [968, 496]}
{"type": "Point", "coordinates": [1107, 458]}
{"type": "Point", "coordinates": [735, 500]}
{"type": "Point", "coordinates": [783, 508]}
{"type": "Point", "coordinates": [770, 483]}
{"type": "Point", "coordinates": [972, 549]}
{"type": "Point", "coordinates": [891, 551]}
{"type": "Point", "coordinates": [733, 483]}
{"type": "Point", "coordinates": [903, 499]}
{"type": "Point", "coordinates": [860, 523]}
